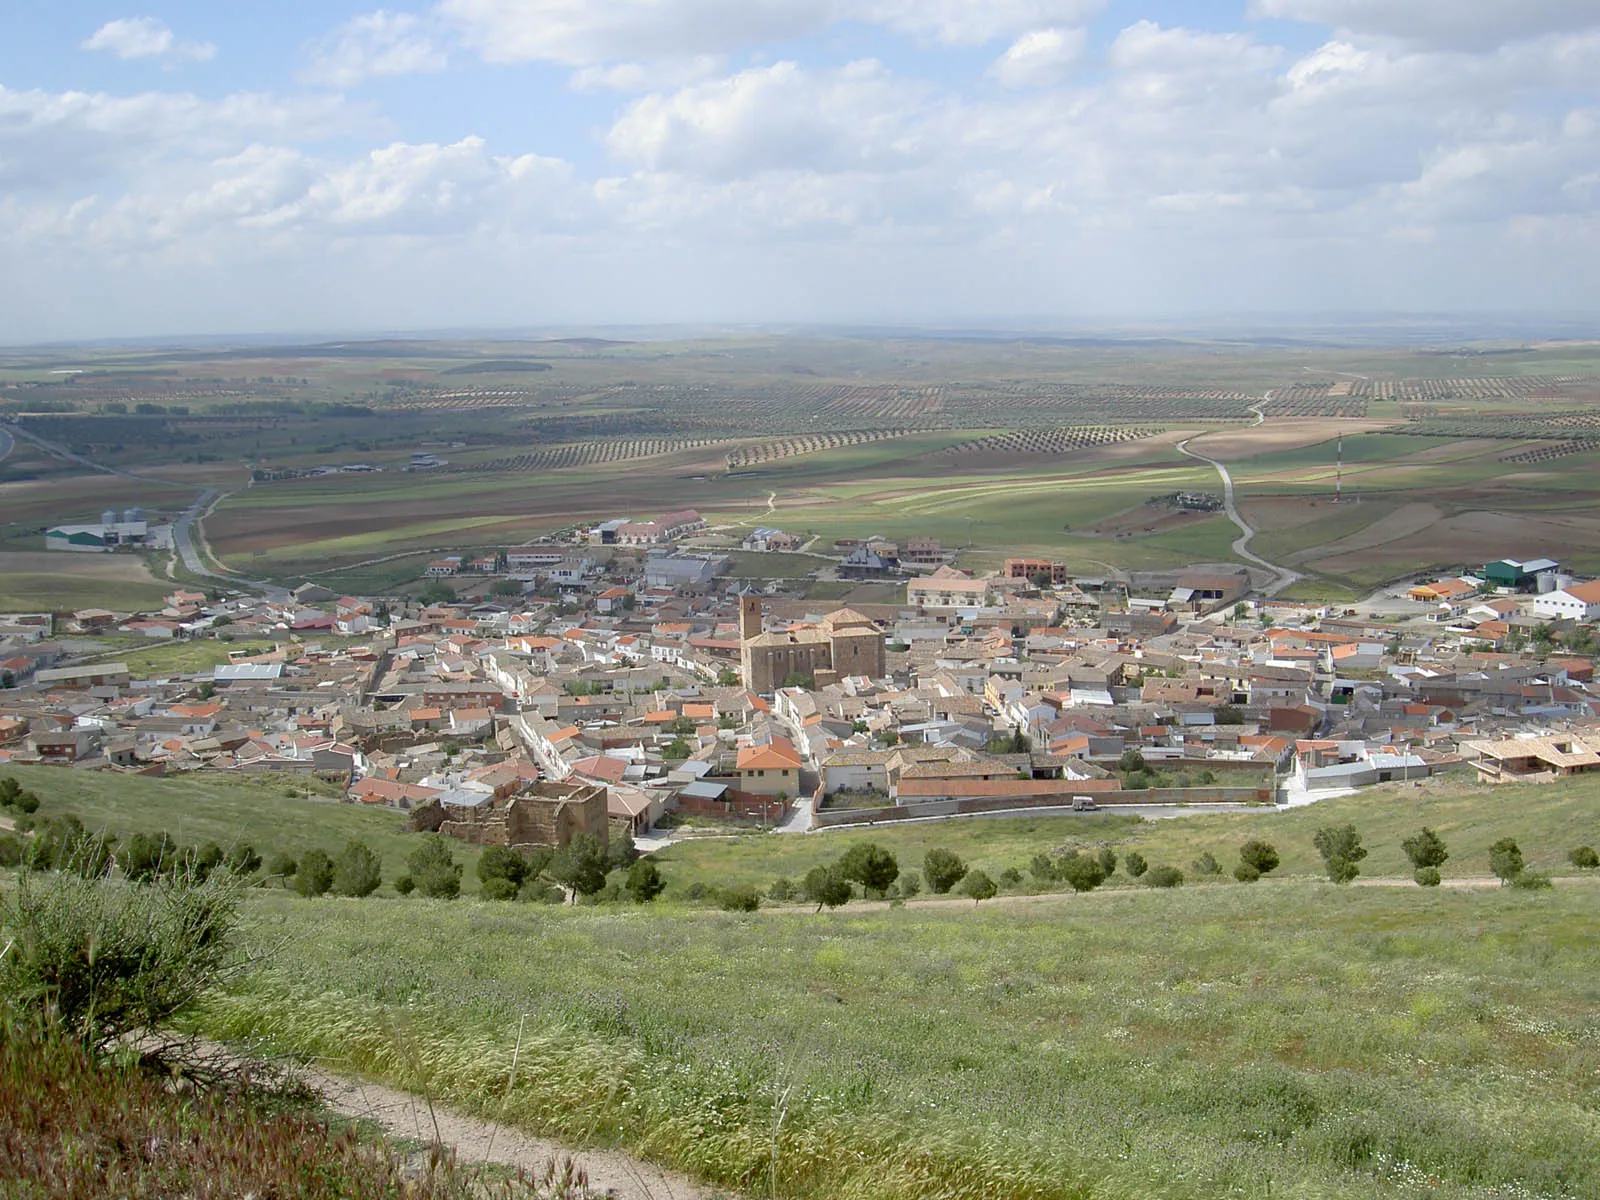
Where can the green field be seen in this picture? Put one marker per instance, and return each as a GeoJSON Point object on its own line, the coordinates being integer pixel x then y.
{"type": "Point", "coordinates": [260, 810]}
{"type": "Point", "coordinates": [1547, 822]}
{"type": "Point", "coordinates": [1291, 1039]}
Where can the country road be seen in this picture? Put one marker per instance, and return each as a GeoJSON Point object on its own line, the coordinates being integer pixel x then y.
{"type": "Point", "coordinates": [1241, 544]}
{"type": "Point", "coordinates": [7, 444]}
{"type": "Point", "coordinates": [184, 540]}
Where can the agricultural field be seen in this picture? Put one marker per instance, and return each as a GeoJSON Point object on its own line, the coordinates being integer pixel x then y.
{"type": "Point", "coordinates": [1003, 445]}
{"type": "Point", "coordinates": [35, 580]}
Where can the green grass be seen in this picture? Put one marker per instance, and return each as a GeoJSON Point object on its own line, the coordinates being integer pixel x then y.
{"type": "Point", "coordinates": [228, 810]}
{"type": "Point", "coordinates": [1289, 1039]}
{"type": "Point", "coordinates": [31, 592]}
{"type": "Point", "coordinates": [1546, 821]}
{"type": "Point", "coordinates": [147, 661]}
{"type": "Point", "coordinates": [751, 564]}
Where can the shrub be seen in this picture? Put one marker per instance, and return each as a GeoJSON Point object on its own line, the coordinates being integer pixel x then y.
{"type": "Point", "coordinates": [405, 885]}
{"type": "Point", "coordinates": [315, 875]}
{"type": "Point", "coordinates": [644, 881]}
{"type": "Point", "coordinates": [1425, 849]}
{"type": "Point", "coordinates": [1246, 872]}
{"type": "Point", "coordinates": [1263, 856]}
{"type": "Point", "coordinates": [581, 865]}
{"type": "Point", "coordinates": [1427, 876]}
{"type": "Point", "coordinates": [943, 869]}
{"type": "Point", "coordinates": [498, 887]}
{"type": "Point", "coordinates": [242, 859]}
{"type": "Point", "coordinates": [502, 862]}
{"type": "Point", "coordinates": [1043, 868]}
{"type": "Point", "coordinates": [1207, 864]}
{"type": "Point", "coordinates": [1341, 849]}
{"type": "Point", "coordinates": [101, 960]}
{"type": "Point", "coordinates": [1108, 861]}
{"type": "Point", "coordinates": [18, 800]}
{"type": "Point", "coordinates": [1532, 881]}
{"type": "Point", "coordinates": [1131, 761]}
{"type": "Point", "coordinates": [1163, 877]}
{"type": "Point", "coordinates": [870, 865]}
{"type": "Point", "coordinates": [979, 886]}
{"type": "Point", "coordinates": [743, 898]}
{"type": "Point", "coordinates": [910, 884]}
{"type": "Point", "coordinates": [1010, 877]}
{"type": "Point", "coordinates": [432, 868]}
{"type": "Point", "coordinates": [1134, 864]}
{"type": "Point", "coordinates": [1584, 858]}
{"type": "Point", "coordinates": [541, 891]}
{"type": "Point", "coordinates": [201, 860]}
{"type": "Point", "coordinates": [358, 872]}
{"type": "Point", "coordinates": [145, 856]}
{"type": "Point", "coordinates": [826, 886]}
{"type": "Point", "coordinates": [281, 867]}
{"type": "Point", "coordinates": [1081, 872]}
{"type": "Point", "coordinates": [10, 850]}
{"type": "Point", "coordinates": [1505, 860]}
{"type": "Point", "coordinates": [782, 890]}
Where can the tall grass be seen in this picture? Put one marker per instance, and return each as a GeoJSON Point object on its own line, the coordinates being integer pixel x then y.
{"type": "Point", "coordinates": [1292, 1039]}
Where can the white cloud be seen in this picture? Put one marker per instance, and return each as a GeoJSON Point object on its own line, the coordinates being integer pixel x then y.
{"type": "Point", "coordinates": [1041, 58]}
{"type": "Point", "coordinates": [589, 33]}
{"type": "Point", "coordinates": [780, 117]}
{"type": "Point", "coordinates": [146, 37]}
{"type": "Point", "coordinates": [375, 44]}
{"type": "Point", "coordinates": [1450, 24]}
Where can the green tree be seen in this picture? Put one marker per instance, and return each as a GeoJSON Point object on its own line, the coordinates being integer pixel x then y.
{"type": "Point", "coordinates": [1207, 864]}
{"type": "Point", "coordinates": [498, 887]}
{"type": "Point", "coordinates": [502, 862]}
{"type": "Point", "coordinates": [910, 884]}
{"type": "Point", "coordinates": [644, 881]}
{"type": "Point", "coordinates": [1427, 876]}
{"type": "Point", "coordinates": [979, 886]}
{"type": "Point", "coordinates": [357, 871]}
{"type": "Point", "coordinates": [870, 865]}
{"type": "Point", "coordinates": [799, 679]}
{"type": "Point", "coordinates": [1082, 872]}
{"type": "Point", "coordinates": [1043, 868]}
{"type": "Point", "coordinates": [1584, 858]}
{"type": "Point", "coordinates": [281, 866]}
{"type": "Point", "coordinates": [315, 875]}
{"type": "Point", "coordinates": [1134, 864]}
{"type": "Point", "coordinates": [742, 898]}
{"type": "Point", "coordinates": [431, 868]}
{"type": "Point", "coordinates": [10, 850]}
{"type": "Point", "coordinates": [782, 890]}
{"type": "Point", "coordinates": [1341, 849]}
{"type": "Point", "coordinates": [144, 856]}
{"type": "Point", "coordinates": [1425, 849]}
{"type": "Point", "coordinates": [1505, 860]}
{"type": "Point", "coordinates": [825, 886]}
{"type": "Point", "coordinates": [1108, 861]}
{"type": "Point", "coordinates": [1132, 760]}
{"type": "Point", "coordinates": [242, 859]}
{"type": "Point", "coordinates": [199, 861]}
{"type": "Point", "coordinates": [943, 869]}
{"type": "Point", "coordinates": [1246, 872]}
{"type": "Point", "coordinates": [1263, 856]}
{"type": "Point", "coordinates": [581, 865]}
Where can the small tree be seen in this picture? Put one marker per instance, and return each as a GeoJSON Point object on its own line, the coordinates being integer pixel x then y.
{"type": "Point", "coordinates": [943, 869]}
{"type": "Point", "coordinates": [1425, 849]}
{"type": "Point", "coordinates": [1108, 861]}
{"type": "Point", "coordinates": [1341, 849]}
{"type": "Point", "coordinates": [644, 882]}
{"type": "Point", "coordinates": [431, 868]}
{"type": "Point", "coordinates": [1131, 761]}
{"type": "Point", "coordinates": [1263, 856]}
{"type": "Point", "coordinates": [1207, 864]}
{"type": "Point", "coordinates": [502, 862]}
{"type": "Point", "coordinates": [1505, 860]}
{"type": "Point", "coordinates": [581, 865]}
{"type": "Point", "coordinates": [498, 887]}
{"type": "Point", "coordinates": [826, 886]}
{"type": "Point", "coordinates": [315, 875]}
{"type": "Point", "coordinates": [281, 866]}
{"type": "Point", "coordinates": [910, 884]}
{"type": "Point", "coordinates": [242, 859]}
{"type": "Point", "coordinates": [1427, 876]}
{"type": "Point", "coordinates": [742, 898]}
{"type": "Point", "coordinates": [357, 871]}
{"type": "Point", "coordinates": [1584, 858]}
{"type": "Point", "coordinates": [979, 886]}
{"type": "Point", "coordinates": [1043, 868]}
{"type": "Point", "coordinates": [1081, 871]}
{"type": "Point", "coordinates": [1134, 864]}
{"type": "Point", "coordinates": [782, 890]}
{"type": "Point", "coordinates": [870, 865]}
{"type": "Point", "coordinates": [1246, 872]}
{"type": "Point", "coordinates": [1163, 877]}
{"type": "Point", "coordinates": [144, 857]}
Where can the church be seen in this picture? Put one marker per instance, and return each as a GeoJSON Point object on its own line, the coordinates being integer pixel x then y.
{"type": "Point", "coordinates": [845, 643]}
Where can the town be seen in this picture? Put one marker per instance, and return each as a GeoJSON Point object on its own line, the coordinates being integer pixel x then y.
{"type": "Point", "coordinates": [614, 677]}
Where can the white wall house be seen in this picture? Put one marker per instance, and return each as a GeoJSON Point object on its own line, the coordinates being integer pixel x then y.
{"type": "Point", "coordinates": [1580, 602]}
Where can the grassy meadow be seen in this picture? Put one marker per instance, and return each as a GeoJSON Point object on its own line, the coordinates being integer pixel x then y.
{"type": "Point", "coordinates": [272, 813]}
{"type": "Point", "coordinates": [1289, 1039]}
{"type": "Point", "coordinates": [1546, 821]}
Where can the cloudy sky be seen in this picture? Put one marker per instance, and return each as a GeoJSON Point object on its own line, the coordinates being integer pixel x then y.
{"type": "Point", "coordinates": [188, 167]}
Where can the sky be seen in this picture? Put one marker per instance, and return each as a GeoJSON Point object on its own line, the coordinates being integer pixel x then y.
{"type": "Point", "coordinates": [200, 168]}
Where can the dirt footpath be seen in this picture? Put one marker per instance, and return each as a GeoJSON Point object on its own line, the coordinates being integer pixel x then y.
{"type": "Point", "coordinates": [475, 1140]}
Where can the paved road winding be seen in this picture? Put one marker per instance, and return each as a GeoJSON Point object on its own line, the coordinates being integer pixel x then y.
{"type": "Point", "coordinates": [1241, 545]}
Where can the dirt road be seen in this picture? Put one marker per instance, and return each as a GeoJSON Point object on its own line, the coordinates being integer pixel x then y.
{"type": "Point", "coordinates": [479, 1141]}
